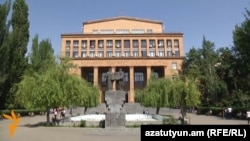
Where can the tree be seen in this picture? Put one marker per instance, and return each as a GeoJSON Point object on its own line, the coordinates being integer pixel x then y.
{"type": "Point", "coordinates": [53, 88]}
{"type": "Point", "coordinates": [185, 92]}
{"type": "Point", "coordinates": [17, 45]}
{"type": "Point", "coordinates": [41, 55]}
{"type": "Point", "coordinates": [4, 50]}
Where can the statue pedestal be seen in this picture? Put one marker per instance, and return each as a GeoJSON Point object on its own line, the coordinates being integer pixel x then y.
{"type": "Point", "coordinates": [115, 117]}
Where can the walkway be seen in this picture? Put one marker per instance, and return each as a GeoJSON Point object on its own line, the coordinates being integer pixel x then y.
{"type": "Point", "coordinates": [25, 133]}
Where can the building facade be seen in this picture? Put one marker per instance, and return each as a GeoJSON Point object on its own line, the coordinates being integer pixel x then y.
{"type": "Point", "coordinates": [139, 47]}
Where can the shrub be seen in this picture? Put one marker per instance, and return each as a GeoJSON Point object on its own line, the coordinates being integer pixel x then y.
{"type": "Point", "coordinates": [82, 123]}
{"type": "Point", "coordinates": [23, 112]}
{"type": "Point", "coordinates": [169, 120]}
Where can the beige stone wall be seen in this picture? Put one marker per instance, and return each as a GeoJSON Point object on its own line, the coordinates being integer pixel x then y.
{"type": "Point", "coordinates": [122, 24]}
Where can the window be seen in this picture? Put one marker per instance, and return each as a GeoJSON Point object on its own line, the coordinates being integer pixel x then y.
{"type": "Point", "coordinates": [75, 54]}
{"type": "Point", "coordinates": [118, 53]}
{"type": "Point", "coordinates": [68, 43]}
{"type": "Point", "coordinates": [161, 43]}
{"type": "Point", "coordinates": [92, 43]}
{"type": "Point", "coordinates": [169, 43]}
{"type": "Point", "coordinates": [125, 76]}
{"type": "Point", "coordinates": [151, 43]}
{"type": "Point", "coordinates": [177, 53]}
{"type": "Point", "coordinates": [100, 53]}
{"type": "Point", "coordinates": [67, 54]}
{"type": "Point", "coordinates": [118, 43]}
{"type": "Point", "coordinates": [109, 43]}
{"type": "Point", "coordinates": [135, 43]}
{"type": "Point", "coordinates": [84, 44]}
{"type": "Point", "coordinates": [127, 53]}
{"type": "Point", "coordinates": [109, 54]}
{"type": "Point", "coordinates": [75, 43]}
{"type": "Point", "coordinates": [169, 53]}
{"type": "Point", "coordinates": [84, 54]}
{"type": "Point", "coordinates": [100, 43]}
{"type": "Point", "coordinates": [104, 83]}
{"type": "Point", "coordinates": [126, 43]}
{"type": "Point", "coordinates": [174, 65]}
{"type": "Point", "coordinates": [75, 51]}
{"type": "Point", "coordinates": [143, 43]}
{"type": "Point", "coordinates": [161, 53]}
{"type": "Point", "coordinates": [144, 53]}
{"type": "Point", "coordinates": [92, 54]}
{"type": "Point", "coordinates": [176, 43]}
{"type": "Point", "coordinates": [68, 48]}
{"type": "Point", "coordinates": [135, 53]}
{"type": "Point", "coordinates": [152, 53]}
{"type": "Point", "coordinates": [139, 77]}
{"type": "Point", "coordinates": [89, 76]}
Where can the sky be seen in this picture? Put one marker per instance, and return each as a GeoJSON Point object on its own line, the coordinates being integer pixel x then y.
{"type": "Point", "coordinates": [214, 19]}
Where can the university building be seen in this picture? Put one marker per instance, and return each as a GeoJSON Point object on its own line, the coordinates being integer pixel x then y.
{"type": "Point", "coordinates": [139, 47]}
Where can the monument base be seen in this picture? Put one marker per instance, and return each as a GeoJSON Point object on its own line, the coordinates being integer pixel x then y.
{"type": "Point", "coordinates": [115, 116]}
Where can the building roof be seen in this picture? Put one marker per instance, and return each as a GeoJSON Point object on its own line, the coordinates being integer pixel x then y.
{"type": "Point", "coordinates": [123, 18]}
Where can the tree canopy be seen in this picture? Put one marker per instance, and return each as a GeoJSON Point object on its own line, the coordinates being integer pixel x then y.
{"type": "Point", "coordinates": [169, 92]}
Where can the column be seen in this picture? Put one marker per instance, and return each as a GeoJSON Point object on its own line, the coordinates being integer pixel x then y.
{"type": "Point", "coordinates": [114, 83]}
{"type": "Point", "coordinates": [148, 73]}
{"type": "Point", "coordinates": [156, 47]}
{"type": "Point", "coordinates": [88, 47]}
{"type": "Point", "coordinates": [114, 48]}
{"type": "Point", "coordinates": [104, 48]}
{"type": "Point", "coordinates": [139, 47]}
{"type": "Point", "coordinates": [165, 71]}
{"type": "Point", "coordinates": [79, 48]}
{"type": "Point", "coordinates": [96, 48]}
{"type": "Point", "coordinates": [131, 47]}
{"type": "Point", "coordinates": [96, 76]}
{"type": "Point", "coordinates": [131, 96]}
{"type": "Point", "coordinates": [71, 48]}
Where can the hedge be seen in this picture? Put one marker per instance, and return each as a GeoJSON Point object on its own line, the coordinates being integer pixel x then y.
{"type": "Point", "coordinates": [217, 111]}
{"type": "Point", "coordinates": [23, 112]}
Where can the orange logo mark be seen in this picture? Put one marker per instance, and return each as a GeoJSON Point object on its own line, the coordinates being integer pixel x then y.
{"type": "Point", "coordinates": [15, 122]}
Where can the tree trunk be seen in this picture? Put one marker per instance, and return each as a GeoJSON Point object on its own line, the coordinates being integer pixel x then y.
{"type": "Point", "coordinates": [47, 116]}
{"type": "Point", "coordinates": [157, 110]}
{"type": "Point", "coordinates": [85, 110]}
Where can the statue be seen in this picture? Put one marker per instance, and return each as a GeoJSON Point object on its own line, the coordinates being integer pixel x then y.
{"type": "Point", "coordinates": [117, 76]}
{"type": "Point", "coordinates": [121, 82]}
{"type": "Point", "coordinates": [108, 79]}
{"type": "Point", "coordinates": [115, 100]}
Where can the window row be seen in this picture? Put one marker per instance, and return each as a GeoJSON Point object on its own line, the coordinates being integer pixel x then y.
{"type": "Point", "coordinates": [124, 54]}
{"type": "Point", "coordinates": [125, 43]}
{"type": "Point", "coordinates": [121, 31]}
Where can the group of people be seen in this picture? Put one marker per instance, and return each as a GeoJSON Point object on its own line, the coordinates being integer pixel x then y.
{"type": "Point", "coordinates": [59, 113]}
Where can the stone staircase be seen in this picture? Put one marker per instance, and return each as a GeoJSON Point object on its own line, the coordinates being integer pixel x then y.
{"type": "Point", "coordinates": [130, 108]}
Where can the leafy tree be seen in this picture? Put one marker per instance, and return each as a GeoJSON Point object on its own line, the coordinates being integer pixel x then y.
{"type": "Point", "coordinates": [167, 92]}
{"type": "Point", "coordinates": [54, 88]}
{"type": "Point", "coordinates": [17, 46]}
{"type": "Point", "coordinates": [4, 50]}
{"type": "Point", "coordinates": [157, 94]}
{"type": "Point", "coordinates": [41, 55]}
{"type": "Point", "coordinates": [186, 93]}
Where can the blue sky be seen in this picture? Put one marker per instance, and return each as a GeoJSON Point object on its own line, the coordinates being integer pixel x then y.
{"type": "Point", "coordinates": [215, 19]}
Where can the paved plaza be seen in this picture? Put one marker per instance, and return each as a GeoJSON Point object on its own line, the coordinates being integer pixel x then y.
{"type": "Point", "coordinates": [30, 133]}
